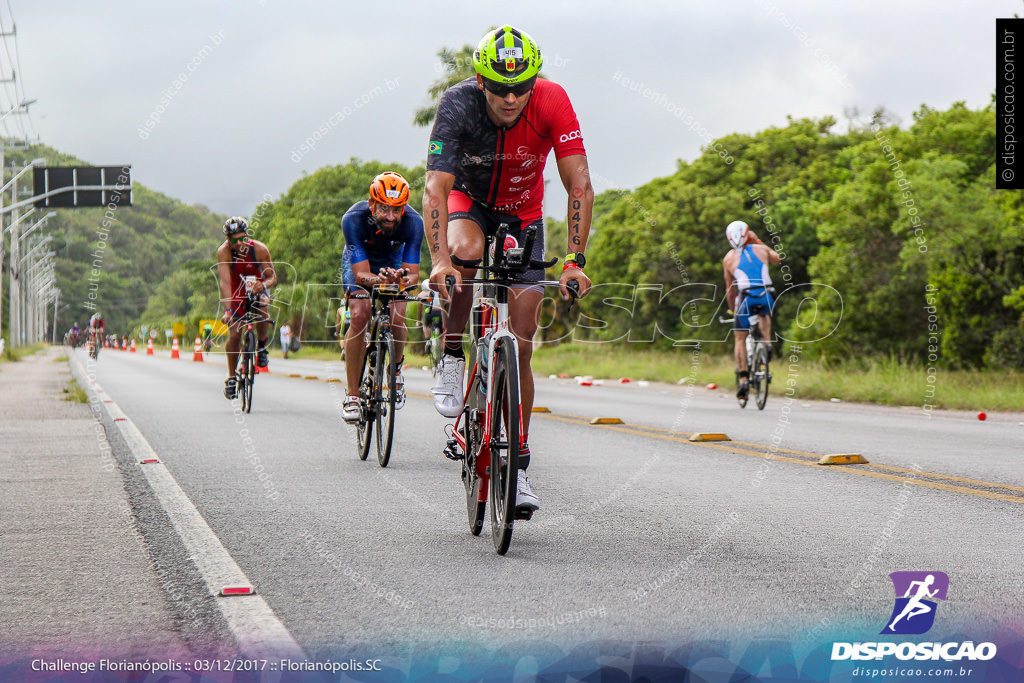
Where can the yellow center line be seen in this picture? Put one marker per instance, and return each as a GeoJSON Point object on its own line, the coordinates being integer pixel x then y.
{"type": "Point", "coordinates": [762, 452]}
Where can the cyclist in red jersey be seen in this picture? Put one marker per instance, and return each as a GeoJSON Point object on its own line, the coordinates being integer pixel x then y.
{"type": "Point", "coordinates": [239, 258]}
{"type": "Point", "coordinates": [485, 166]}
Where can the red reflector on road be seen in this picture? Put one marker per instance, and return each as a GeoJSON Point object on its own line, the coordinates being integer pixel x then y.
{"type": "Point", "coordinates": [237, 590]}
{"type": "Point", "coordinates": [120, 419]}
{"type": "Point", "coordinates": [148, 461]}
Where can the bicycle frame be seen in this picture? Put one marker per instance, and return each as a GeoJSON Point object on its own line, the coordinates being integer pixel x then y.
{"type": "Point", "coordinates": [758, 378]}
{"type": "Point", "coordinates": [373, 406]}
{"type": "Point", "coordinates": [475, 438]}
{"type": "Point", "coordinates": [493, 325]}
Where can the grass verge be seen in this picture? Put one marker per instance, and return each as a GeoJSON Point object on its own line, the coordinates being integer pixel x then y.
{"type": "Point", "coordinates": [16, 353]}
{"type": "Point", "coordinates": [887, 381]}
{"type": "Point", "coordinates": [884, 381]}
{"type": "Point", "coordinates": [74, 392]}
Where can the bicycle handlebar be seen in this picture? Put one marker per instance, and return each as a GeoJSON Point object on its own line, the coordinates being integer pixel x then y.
{"type": "Point", "coordinates": [475, 263]}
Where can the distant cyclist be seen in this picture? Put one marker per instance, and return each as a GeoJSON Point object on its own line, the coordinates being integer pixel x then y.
{"type": "Point", "coordinates": [747, 279]}
{"type": "Point", "coordinates": [96, 328]}
{"type": "Point", "coordinates": [432, 315]}
{"type": "Point", "coordinates": [238, 258]}
{"type": "Point", "coordinates": [75, 335]}
{"type": "Point", "coordinates": [342, 321]}
{"type": "Point", "coordinates": [207, 337]}
{"type": "Point", "coordinates": [485, 166]}
{"type": "Point", "coordinates": [382, 246]}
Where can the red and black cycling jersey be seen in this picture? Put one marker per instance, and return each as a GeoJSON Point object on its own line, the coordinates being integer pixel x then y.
{"type": "Point", "coordinates": [243, 265]}
{"type": "Point", "coordinates": [502, 168]}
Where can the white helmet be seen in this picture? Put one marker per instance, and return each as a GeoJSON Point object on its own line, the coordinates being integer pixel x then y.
{"type": "Point", "coordinates": [737, 234]}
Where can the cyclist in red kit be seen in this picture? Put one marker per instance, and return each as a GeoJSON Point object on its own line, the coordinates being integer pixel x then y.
{"type": "Point", "coordinates": [243, 265]}
{"type": "Point", "coordinates": [485, 166]}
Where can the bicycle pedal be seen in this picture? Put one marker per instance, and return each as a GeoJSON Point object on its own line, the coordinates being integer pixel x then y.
{"type": "Point", "coordinates": [451, 451]}
{"type": "Point", "coordinates": [524, 514]}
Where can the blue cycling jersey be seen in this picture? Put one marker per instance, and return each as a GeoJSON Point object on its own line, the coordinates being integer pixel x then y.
{"type": "Point", "coordinates": [364, 241]}
{"type": "Point", "coordinates": [751, 273]}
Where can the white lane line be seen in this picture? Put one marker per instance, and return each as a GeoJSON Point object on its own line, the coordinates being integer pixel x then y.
{"type": "Point", "coordinates": [255, 627]}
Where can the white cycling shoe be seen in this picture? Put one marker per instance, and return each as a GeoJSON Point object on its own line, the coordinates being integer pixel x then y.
{"type": "Point", "coordinates": [399, 390]}
{"type": "Point", "coordinates": [350, 410]}
{"type": "Point", "coordinates": [526, 501]}
{"type": "Point", "coordinates": [449, 390]}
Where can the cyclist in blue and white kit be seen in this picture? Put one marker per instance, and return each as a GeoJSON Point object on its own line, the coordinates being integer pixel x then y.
{"type": "Point", "coordinates": [747, 279]}
{"type": "Point", "coordinates": [382, 246]}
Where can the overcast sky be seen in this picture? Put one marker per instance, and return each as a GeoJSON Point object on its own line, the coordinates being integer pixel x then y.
{"type": "Point", "coordinates": [651, 82]}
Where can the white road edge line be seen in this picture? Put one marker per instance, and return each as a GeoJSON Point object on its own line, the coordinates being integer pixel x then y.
{"type": "Point", "coordinates": [255, 627]}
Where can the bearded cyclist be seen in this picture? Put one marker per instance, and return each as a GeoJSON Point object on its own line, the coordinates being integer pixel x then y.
{"type": "Point", "coordinates": [747, 279]}
{"type": "Point", "coordinates": [485, 166]}
{"type": "Point", "coordinates": [382, 246]}
{"type": "Point", "coordinates": [242, 260]}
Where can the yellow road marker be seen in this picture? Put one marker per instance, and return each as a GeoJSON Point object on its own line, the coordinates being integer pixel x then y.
{"type": "Point", "coordinates": [709, 436]}
{"type": "Point", "coordinates": [843, 459]}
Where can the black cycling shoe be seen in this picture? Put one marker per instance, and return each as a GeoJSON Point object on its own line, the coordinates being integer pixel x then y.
{"type": "Point", "coordinates": [262, 357]}
{"type": "Point", "coordinates": [744, 388]}
{"type": "Point", "coordinates": [231, 388]}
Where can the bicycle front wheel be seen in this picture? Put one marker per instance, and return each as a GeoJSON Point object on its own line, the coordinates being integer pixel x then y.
{"type": "Point", "coordinates": [364, 430]}
{"type": "Point", "coordinates": [505, 420]}
{"type": "Point", "coordinates": [248, 370]}
{"type": "Point", "coordinates": [759, 377]}
{"type": "Point", "coordinates": [385, 398]}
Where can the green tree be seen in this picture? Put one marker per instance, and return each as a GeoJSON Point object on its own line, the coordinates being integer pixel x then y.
{"type": "Point", "coordinates": [112, 260]}
{"type": "Point", "coordinates": [455, 66]}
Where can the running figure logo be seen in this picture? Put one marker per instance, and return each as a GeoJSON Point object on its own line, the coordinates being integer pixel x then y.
{"type": "Point", "coordinates": [914, 613]}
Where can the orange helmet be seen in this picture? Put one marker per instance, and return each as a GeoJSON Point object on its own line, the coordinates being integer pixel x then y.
{"type": "Point", "coordinates": [389, 188]}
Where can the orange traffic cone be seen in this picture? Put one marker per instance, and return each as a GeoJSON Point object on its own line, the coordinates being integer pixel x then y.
{"type": "Point", "coordinates": [174, 349]}
{"type": "Point", "coordinates": [197, 352]}
{"type": "Point", "coordinates": [133, 346]}
{"type": "Point", "coordinates": [149, 348]}
{"type": "Point", "coordinates": [106, 343]}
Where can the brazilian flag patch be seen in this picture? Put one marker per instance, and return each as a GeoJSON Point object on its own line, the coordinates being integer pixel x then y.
{"type": "Point", "coordinates": [434, 147]}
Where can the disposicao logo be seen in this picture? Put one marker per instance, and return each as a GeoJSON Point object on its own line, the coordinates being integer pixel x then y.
{"type": "Point", "coordinates": [913, 614]}
{"type": "Point", "coordinates": [916, 595]}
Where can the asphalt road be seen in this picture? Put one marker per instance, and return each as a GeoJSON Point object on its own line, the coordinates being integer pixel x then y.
{"type": "Point", "coordinates": [642, 536]}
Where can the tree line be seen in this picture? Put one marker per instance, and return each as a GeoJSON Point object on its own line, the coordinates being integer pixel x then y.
{"type": "Point", "coordinates": [893, 242]}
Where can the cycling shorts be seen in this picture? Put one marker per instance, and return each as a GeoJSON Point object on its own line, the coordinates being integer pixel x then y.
{"type": "Point", "coordinates": [751, 306]}
{"type": "Point", "coordinates": [461, 207]}
{"type": "Point", "coordinates": [238, 306]}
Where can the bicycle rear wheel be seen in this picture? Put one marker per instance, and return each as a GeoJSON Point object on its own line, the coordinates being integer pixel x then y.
{"type": "Point", "coordinates": [505, 420]}
{"type": "Point", "coordinates": [364, 430]}
{"type": "Point", "coordinates": [759, 377]}
{"type": "Point", "coordinates": [385, 398]}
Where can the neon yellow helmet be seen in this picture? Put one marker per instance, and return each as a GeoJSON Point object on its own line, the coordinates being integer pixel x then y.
{"type": "Point", "coordinates": [507, 56]}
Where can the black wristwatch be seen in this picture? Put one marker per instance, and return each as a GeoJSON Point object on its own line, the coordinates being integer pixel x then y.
{"type": "Point", "coordinates": [579, 259]}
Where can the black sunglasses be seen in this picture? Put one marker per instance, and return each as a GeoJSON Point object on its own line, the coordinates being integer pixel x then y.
{"type": "Point", "coordinates": [503, 89]}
